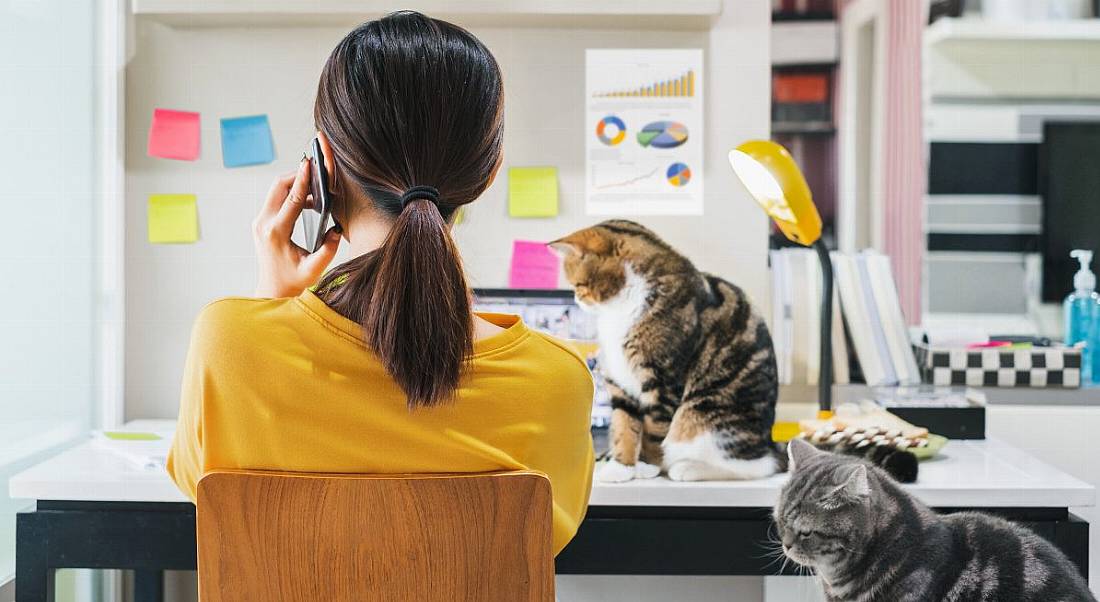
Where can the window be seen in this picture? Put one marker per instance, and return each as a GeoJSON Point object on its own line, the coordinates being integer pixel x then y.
{"type": "Point", "coordinates": [48, 265]}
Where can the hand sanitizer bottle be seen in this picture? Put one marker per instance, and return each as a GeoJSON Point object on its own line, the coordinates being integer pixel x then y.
{"type": "Point", "coordinates": [1082, 314]}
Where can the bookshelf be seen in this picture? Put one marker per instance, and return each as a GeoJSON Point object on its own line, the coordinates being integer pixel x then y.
{"type": "Point", "coordinates": [617, 14]}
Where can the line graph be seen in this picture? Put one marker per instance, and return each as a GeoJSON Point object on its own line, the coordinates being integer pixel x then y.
{"type": "Point", "coordinates": [633, 180]}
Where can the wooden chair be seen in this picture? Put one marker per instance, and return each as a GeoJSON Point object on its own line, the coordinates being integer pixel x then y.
{"type": "Point", "coordinates": [273, 537]}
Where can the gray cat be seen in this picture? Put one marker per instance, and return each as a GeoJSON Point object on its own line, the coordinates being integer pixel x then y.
{"type": "Point", "coordinates": [871, 541]}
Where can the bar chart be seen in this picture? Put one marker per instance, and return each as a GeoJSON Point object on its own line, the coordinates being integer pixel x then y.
{"type": "Point", "coordinates": [682, 86]}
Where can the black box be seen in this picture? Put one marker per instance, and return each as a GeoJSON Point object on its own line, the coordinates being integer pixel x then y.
{"type": "Point", "coordinates": [954, 412]}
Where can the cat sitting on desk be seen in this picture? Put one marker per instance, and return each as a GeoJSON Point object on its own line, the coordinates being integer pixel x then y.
{"type": "Point", "coordinates": [689, 363]}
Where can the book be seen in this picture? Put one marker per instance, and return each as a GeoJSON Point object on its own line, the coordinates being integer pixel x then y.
{"type": "Point", "coordinates": [875, 321]}
{"type": "Point", "coordinates": [894, 327]}
{"type": "Point", "coordinates": [781, 314]}
{"type": "Point", "coordinates": [811, 337]}
{"type": "Point", "coordinates": [143, 450]}
{"type": "Point", "coordinates": [801, 311]}
{"type": "Point", "coordinates": [796, 319]}
{"type": "Point", "coordinates": [858, 318]}
{"type": "Point", "coordinates": [841, 369]}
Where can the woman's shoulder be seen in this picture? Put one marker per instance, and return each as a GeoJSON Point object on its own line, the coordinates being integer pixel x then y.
{"type": "Point", "coordinates": [225, 320]}
{"type": "Point", "coordinates": [560, 361]}
{"type": "Point", "coordinates": [562, 349]}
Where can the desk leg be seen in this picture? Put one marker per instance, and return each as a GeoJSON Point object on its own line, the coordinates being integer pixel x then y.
{"type": "Point", "coordinates": [1072, 537]}
{"type": "Point", "coordinates": [148, 586]}
{"type": "Point", "coordinates": [34, 579]}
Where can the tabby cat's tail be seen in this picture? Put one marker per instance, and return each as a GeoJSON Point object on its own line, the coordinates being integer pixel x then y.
{"type": "Point", "coordinates": [887, 455]}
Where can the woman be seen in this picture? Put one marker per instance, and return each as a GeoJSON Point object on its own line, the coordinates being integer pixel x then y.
{"type": "Point", "coordinates": [385, 368]}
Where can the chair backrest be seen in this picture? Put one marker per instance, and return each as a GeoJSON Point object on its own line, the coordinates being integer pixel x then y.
{"type": "Point", "coordinates": [310, 537]}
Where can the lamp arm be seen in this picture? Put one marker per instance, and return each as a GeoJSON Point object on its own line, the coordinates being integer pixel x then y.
{"type": "Point", "coordinates": [825, 376]}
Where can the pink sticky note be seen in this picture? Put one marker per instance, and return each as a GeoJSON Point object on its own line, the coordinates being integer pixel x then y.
{"type": "Point", "coordinates": [174, 135]}
{"type": "Point", "coordinates": [534, 265]}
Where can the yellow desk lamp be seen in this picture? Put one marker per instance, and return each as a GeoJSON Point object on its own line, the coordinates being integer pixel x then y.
{"type": "Point", "coordinates": [772, 178]}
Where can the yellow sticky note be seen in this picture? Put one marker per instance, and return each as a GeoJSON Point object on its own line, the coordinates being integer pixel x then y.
{"type": "Point", "coordinates": [460, 215]}
{"type": "Point", "coordinates": [173, 218]}
{"type": "Point", "coordinates": [131, 436]}
{"type": "Point", "coordinates": [532, 191]}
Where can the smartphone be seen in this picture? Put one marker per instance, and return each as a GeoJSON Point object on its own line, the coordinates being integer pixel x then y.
{"type": "Point", "coordinates": [313, 223]}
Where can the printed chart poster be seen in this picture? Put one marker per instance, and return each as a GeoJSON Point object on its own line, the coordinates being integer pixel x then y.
{"type": "Point", "coordinates": [644, 132]}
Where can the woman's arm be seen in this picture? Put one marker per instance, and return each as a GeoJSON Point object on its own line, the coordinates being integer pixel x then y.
{"type": "Point", "coordinates": [285, 268]}
{"type": "Point", "coordinates": [185, 460]}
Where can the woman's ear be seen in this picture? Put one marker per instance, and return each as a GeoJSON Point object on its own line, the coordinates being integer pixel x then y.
{"type": "Point", "coordinates": [330, 159]}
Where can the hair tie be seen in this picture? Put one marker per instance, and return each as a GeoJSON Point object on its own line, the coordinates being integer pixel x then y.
{"type": "Point", "coordinates": [420, 192]}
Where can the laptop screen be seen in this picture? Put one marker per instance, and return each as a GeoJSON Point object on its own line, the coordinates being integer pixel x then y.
{"type": "Point", "coordinates": [556, 313]}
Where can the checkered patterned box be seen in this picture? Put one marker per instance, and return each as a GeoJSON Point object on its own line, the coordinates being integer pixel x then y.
{"type": "Point", "coordinates": [1035, 367]}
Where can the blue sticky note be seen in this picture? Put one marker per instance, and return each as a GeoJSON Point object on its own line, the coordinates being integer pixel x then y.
{"type": "Point", "coordinates": [247, 141]}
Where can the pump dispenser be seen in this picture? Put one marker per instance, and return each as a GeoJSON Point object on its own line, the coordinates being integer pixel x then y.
{"type": "Point", "coordinates": [1082, 314]}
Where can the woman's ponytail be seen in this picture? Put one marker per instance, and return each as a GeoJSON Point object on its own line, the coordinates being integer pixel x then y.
{"type": "Point", "coordinates": [407, 101]}
{"type": "Point", "coordinates": [411, 297]}
{"type": "Point", "coordinates": [418, 317]}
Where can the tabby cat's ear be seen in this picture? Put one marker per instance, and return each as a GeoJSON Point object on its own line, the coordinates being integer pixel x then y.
{"type": "Point", "coordinates": [563, 248]}
{"type": "Point", "coordinates": [798, 451]}
{"type": "Point", "coordinates": [588, 240]}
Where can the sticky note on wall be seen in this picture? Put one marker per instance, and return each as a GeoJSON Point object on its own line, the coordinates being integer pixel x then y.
{"type": "Point", "coordinates": [532, 191]}
{"type": "Point", "coordinates": [174, 135]}
{"type": "Point", "coordinates": [247, 141]}
{"type": "Point", "coordinates": [173, 218]}
{"type": "Point", "coordinates": [534, 265]}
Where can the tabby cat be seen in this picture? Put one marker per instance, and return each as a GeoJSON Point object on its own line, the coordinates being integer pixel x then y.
{"type": "Point", "coordinates": [871, 541]}
{"type": "Point", "coordinates": [690, 366]}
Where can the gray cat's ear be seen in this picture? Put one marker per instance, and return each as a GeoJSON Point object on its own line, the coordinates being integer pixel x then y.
{"type": "Point", "coordinates": [857, 486]}
{"type": "Point", "coordinates": [563, 249]}
{"type": "Point", "coordinates": [798, 451]}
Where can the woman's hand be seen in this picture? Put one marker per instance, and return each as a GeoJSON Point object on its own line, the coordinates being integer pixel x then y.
{"type": "Point", "coordinates": [285, 268]}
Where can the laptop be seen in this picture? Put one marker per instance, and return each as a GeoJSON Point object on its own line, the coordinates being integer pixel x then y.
{"type": "Point", "coordinates": [556, 313]}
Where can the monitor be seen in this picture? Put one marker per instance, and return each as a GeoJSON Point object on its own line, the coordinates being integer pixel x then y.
{"type": "Point", "coordinates": [1069, 182]}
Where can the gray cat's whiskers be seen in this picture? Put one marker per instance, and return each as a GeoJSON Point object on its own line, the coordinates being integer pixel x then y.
{"type": "Point", "coordinates": [870, 541]}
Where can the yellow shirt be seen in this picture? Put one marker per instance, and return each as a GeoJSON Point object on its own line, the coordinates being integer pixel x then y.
{"type": "Point", "coordinates": [289, 384]}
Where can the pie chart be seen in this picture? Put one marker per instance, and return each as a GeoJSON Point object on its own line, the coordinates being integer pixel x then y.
{"type": "Point", "coordinates": [611, 130]}
{"type": "Point", "coordinates": [678, 174]}
{"type": "Point", "coordinates": [663, 134]}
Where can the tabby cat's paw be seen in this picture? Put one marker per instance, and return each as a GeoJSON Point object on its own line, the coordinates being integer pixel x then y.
{"type": "Point", "coordinates": [612, 471]}
{"type": "Point", "coordinates": [646, 471]}
{"type": "Point", "coordinates": [688, 470]}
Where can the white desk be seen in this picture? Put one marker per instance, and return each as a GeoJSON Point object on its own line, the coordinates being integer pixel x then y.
{"type": "Point", "coordinates": [988, 474]}
{"type": "Point", "coordinates": [92, 500]}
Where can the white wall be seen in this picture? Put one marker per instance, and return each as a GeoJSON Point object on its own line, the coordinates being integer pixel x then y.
{"type": "Point", "coordinates": [225, 72]}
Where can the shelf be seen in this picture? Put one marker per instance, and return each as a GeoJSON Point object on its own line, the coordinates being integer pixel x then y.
{"type": "Point", "coordinates": [822, 128]}
{"type": "Point", "coordinates": [802, 42]}
{"type": "Point", "coordinates": [795, 17]}
{"type": "Point", "coordinates": [575, 13]}
{"type": "Point", "coordinates": [996, 396]}
{"type": "Point", "coordinates": [972, 30]}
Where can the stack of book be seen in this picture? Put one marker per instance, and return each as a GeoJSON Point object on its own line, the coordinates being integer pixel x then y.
{"type": "Point", "coordinates": [870, 340]}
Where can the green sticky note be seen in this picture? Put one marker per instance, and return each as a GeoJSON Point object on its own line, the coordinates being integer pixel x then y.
{"type": "Point", "coordinates": [131, 436]}
{"type": "Point", "coordinates": [173, 218]}
{"type": "Point", "coordinates": [532, 191]}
